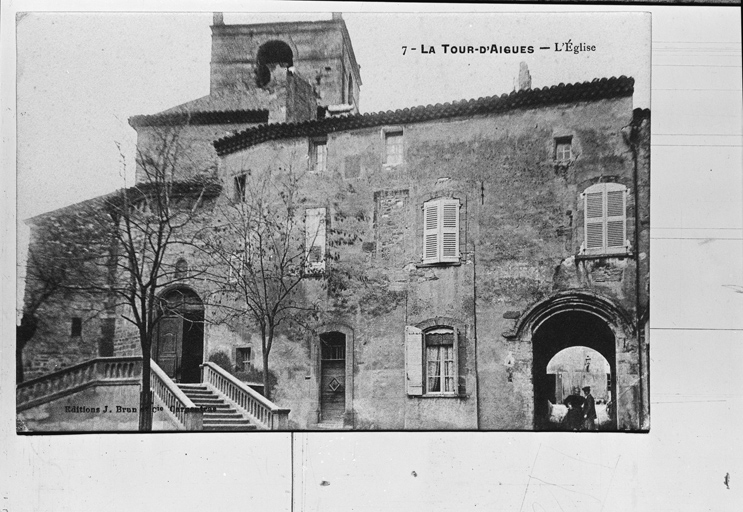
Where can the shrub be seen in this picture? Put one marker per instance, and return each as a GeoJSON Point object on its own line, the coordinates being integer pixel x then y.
{"type": "Point", "coordinates": [220, 358]}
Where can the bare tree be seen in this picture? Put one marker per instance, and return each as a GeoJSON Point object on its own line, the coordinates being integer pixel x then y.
{"type": "Point", "coordinates": [149, 221]}
{"type": "Point", "coordinates": [120, 247]}
{"type": "Point", "coordinates": [262, 251]}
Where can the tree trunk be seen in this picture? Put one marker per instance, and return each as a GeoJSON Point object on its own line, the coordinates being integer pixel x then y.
{"type": "Point", "coordinates": [145, 393]}
{"type": "Point", "coordinates": [266, 389]}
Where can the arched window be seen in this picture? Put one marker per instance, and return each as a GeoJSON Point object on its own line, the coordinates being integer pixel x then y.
{"type": "Point", "coordinates": [605, 219]}
{"type": "Point", "coordinates": [270, 55]}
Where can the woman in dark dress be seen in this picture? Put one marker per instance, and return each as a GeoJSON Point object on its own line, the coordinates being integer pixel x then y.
{"type": "Point", "coordinates": [574, 403]}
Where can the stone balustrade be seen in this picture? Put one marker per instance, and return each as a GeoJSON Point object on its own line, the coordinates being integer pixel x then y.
{"type": "Point", "coordinates": [103, 370]}
{"type": "Point", "coordinates": [176, 404]}
{"type": "Point", "coordinates": [262, 411]}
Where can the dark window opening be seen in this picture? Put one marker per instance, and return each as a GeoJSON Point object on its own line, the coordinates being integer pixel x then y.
{"type": "Point", "coordinates": [243, 359]}
{"type": "Point", "coordinates": [350, 89]}
{"type": "Point", "coordinates": [271, 55]}
{"type": "Point", "coordinates": [333, 346]}
{"type": "Point", "coordinates": [77, 326]}
{"type": "Point", "coordinates": [240, 188]}
{"type": "Point", "coordinates": [181, 268]}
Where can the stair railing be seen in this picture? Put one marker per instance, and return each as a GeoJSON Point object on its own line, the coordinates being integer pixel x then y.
{"type": "Point", "coordinates": [176, 404]}
{"type": "Point", "coordinates": [119, 370]}
{"type": "Point", "coordinates": [258, 408]}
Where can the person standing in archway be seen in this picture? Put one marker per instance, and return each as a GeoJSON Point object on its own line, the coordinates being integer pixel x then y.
{"type": "Point", "coordinates": [589, 410]}
{"type": "Point", "coordinates": [574, 403]}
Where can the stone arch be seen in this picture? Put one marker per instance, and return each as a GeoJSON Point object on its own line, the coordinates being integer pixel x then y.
{"type": "Point", "coordinates": [580, 318]}
{"type": "Point", "coordinates": [269, 55]}
{"type": "Point", "coordinates": [178, 339]}
{"type": "Point", "coordinates": [572, 300]}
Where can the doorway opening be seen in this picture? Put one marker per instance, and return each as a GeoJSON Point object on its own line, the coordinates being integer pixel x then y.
{"type": "Point", "coordinates": [178, 346]}
{"type": "Point", "coordinates": [573, 349]}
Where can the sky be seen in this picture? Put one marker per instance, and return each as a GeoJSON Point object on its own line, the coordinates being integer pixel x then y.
{"type": "Point", "coordinates": [81, 76]}
{"type": "Point", "coordinates": [74, 99]}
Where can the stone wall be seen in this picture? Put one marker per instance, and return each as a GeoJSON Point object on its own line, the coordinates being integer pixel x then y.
{"type": "Point", "coordinates": [521, 229]}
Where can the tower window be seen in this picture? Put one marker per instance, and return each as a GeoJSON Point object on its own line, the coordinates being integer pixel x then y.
{"type": "Point", "coordinates": [350, 90]}
{"type": "Point", "coordinates": [271, 55]}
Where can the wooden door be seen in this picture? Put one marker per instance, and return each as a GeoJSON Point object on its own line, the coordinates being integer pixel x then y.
{"type": "Point", "coordinates": [333, 379]}
{"type": "Point", "coordinates": [169, 345]}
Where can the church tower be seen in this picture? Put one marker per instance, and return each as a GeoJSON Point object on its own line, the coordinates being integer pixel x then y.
{"type": "Point", "coordinates": [246, 59]}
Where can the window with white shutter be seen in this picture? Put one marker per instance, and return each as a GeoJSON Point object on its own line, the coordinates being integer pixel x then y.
{"type": "Point", "coordinates": [441, 231]}
{"type": "Point", "coordinates": [605, 220]}
{"type": "Point", "coordinates": [315, 240]}
{"type": "Point", "coordinates": [413, 361]}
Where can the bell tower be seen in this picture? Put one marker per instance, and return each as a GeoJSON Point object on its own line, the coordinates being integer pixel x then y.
{"type": "Point", "coordinates": [246, 59]}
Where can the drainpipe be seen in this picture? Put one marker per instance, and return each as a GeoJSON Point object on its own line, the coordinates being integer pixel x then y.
{"type": "Point", "coordinates": [633, 141]}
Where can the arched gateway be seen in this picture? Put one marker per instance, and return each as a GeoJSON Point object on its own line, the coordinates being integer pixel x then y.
{"type": "Point", "coordinates": [583, 319]}
{"type": "Point", "coordinates": [178, 346]}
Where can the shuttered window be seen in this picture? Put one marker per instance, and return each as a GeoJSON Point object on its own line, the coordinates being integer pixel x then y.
{"type": "Point", "coordinates": [431, 361]}
{"type": "Point", "coordinates": [441, 231]}
{"type": "Point", "coordinates": [413, 361]}
{"type": "Point", "coordinates": [605, 219]}
{"type": "Point", "coordinates": [315, 240]}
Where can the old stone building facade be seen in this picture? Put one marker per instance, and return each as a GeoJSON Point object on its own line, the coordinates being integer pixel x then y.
{"type": "Point", "coordinates": [461, 246]}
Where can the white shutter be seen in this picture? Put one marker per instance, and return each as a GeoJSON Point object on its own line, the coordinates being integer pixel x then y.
{"type": "Point", "coordinates": [615, 218]}
{"type": "Point", "coordinates": [413, 360]}
{"type": "Point", "coordinates": [594, 219]}
{"type": "Point", "coordinates": [315, 239]}
{"type": "Point", "coordinates": [450, 230]}
{"type": "Point", "coordinates": [431, 232]}
{"type": "Point", "coordinates": [605, 218]}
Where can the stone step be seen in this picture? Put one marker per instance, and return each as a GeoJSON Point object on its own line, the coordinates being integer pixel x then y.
{"type": "Point", "coordinates": [226, 421]}
{"type": "Point", "coordinates": [229, 414]}
{"type": "Point", "coordinates": [218, 414]}
{"type": "Point", "coordinates": [234, 428]}
{"type": "Point", "coordinates": [197, 392]}
{"type": "Point", "coordinates": [206, 399]}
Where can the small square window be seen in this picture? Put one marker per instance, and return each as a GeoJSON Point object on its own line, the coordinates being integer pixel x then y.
{"type": "Point", "coordinates": [77, 326]}
{"type": "Point", "coordinates": [318, 155]}
{"type": "Point", "coordinates": [393, 147]}
{"type": "Point", "coordinates": [243, 359]}
{"type": "Point", "coordinates": [240, 188]}
{"type": "Point", "coordinates": [563, 149]}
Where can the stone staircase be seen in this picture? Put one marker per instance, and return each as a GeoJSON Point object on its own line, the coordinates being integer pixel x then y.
{"type": "Point", "coordinates": [218, 414]}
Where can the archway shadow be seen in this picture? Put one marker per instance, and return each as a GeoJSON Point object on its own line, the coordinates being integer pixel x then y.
{"type": "Point", "coordinates": [564, 330]}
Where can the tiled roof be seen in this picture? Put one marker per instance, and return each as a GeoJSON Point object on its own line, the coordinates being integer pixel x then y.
{"type": "Point", "coordinates": [232, 108]}
{"type": "Point", "coordinates": [563, 93]}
